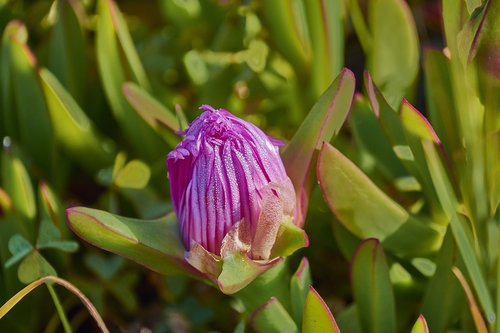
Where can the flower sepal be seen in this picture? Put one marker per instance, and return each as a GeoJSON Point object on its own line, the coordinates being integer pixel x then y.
{"type": "Point", "coordinates": [235, 269]}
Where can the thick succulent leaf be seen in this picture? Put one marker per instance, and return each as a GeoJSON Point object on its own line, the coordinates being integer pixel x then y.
{"type": "Point", "coordinates": [66, 51]}
{"type": "Point", "coordinates": [152, 243]}
{"type": "Point", "coordinates": [73, 129]}
{"type": "Point", "coordinates": [159, 117]}
{"type": "Point", "coordinates": [321, 124]}
{"type": "Point", "coordinates": [317, 315]}
{"type": "Point", "coordinates": [273, 318]}
{"type": "Point", "coordinates": [367, 211]}
{"type": "Point", "coordinates": [286, 22]}
{"type": "Point", "coordinates": [15, 30]}
{"type": "Point", "coordinates": [393, 56]}
{"type": "Point", "coordinates": [443, 297]}
{"type": "Point", "coordinates": [372, 288]}
{"type": "Point", "coordinates": [17, 184]}
{"type": "Point", "coordinates": [35, 129]}
{"type": "Point", "coordinates": [406, 148]}
{"type": "Point", "coordinates": [370, 136]}
{"type": "Point", "coordinates": [462, 233]}
{"type": "Point", "coordinates": [118, 62]}
{"type": "Point", "coordinates": [299, 288]}
{"type": "Point", "coordinates": [326, 31]}
{"type": "Point", "coordinates": [438, 88]}
{"type": "Point", "coordinates": [420, 325]}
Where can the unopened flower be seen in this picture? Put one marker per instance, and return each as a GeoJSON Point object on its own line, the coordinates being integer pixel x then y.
{"type": "Point", "coordinates": [229, 189]}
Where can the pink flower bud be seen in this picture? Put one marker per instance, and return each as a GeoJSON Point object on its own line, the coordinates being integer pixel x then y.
{"type": "Point", "coordinates": [228, 186]}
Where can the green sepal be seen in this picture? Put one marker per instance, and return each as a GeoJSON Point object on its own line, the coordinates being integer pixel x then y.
{"type": "Point", "coordinates": [290, 238]}
{"type": "Point", "coordinates": [238, 271]}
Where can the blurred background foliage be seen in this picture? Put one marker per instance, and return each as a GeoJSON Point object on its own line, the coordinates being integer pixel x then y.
{"type": "Point", "coordinates": [92, 92]}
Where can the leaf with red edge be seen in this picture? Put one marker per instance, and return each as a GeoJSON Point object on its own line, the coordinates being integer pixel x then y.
{"type": "Point", "coordinates": [299, 287]}
{"type": "Point", "coordinates": [372, 288]}
{"type": "Point", "coordinates": [321, 124]}
{"type": "Point", "coordinates": [420, 325]}
{"type": "Point", "coordinates": [151, 243]}
{"type": "Point", "coordinates": [366, 211]}
{"type": "Point", "coordinates": [317, 315]}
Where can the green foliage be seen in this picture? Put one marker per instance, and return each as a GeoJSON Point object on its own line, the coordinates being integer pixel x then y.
{"type": "Point", "coordinates": [407, 237]}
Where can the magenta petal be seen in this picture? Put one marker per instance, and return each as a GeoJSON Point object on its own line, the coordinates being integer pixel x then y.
{"type": "Point", "coordinates": [218, 173]}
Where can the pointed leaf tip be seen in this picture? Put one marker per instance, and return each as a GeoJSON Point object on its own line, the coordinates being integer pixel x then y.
{"type": "Point", "coordinates": [317, 315]}
{"type": "Point", "coordinates": [420, 325]}
{"type": "Point", "coordinates": [415, 122]}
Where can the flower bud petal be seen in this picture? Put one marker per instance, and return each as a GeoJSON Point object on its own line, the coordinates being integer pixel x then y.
{"type": "Point", "coordinates": [228, 186]}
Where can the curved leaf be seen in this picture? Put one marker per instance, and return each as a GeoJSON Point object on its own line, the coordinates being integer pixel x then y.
{"type": "Point", "coordinates": [118, 62]}
{"type": "Point", "coordinates": [393, 57]}
{"type": "Point", "coordinates": [73, 129]}
{"type": "Point", "coordinates": [366, 210]}
{"type": "Point", "coordinates": [321, 124]}
{"type": "Point", "coordinates": [151, 243]}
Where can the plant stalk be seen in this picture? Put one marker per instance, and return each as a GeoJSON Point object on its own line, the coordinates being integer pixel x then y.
{"type": "Point", "coordinates": [59, 308]}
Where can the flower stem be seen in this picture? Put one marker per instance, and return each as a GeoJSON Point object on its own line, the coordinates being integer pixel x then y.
{"type": "Point", "coordinates": [59, 308]}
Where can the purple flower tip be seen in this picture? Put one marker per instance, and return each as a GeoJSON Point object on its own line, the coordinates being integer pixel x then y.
{"type": "Point", "coordinates": [228, 185]}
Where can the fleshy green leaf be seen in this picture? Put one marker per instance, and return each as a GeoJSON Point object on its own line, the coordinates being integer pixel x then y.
{"type": "Point", "coordinates": [73, 129]}
{"type": "Point", "coordinates": [15, 30]}
{"type": "Point", "coordinates": [17, 184]}
{"type": "Point", "coordinates": [273, 318]}
{"type": "Point", "coordinates": [367, 211]}
{"type": "Point", "coordinates": [462, 234]}
{"type": "Point", "coordinates": [420, 325]}
{"type": "Point", "coordinates": [370, 136]}
{"type": "Point", "coordinates": [35, 128]}
{"type": "Point", "coordinates": [299, 288]}
{"type": "Point", "coordinates": [438, 88]}
{"type": "Point", "coordinates": [287, 25]}
{"type": "Point", "coordinates": [159, 117]}
{"type": "Point", "coordinates": [66, 51]}
{"type": "Point", "coordinates": [317, 315]}
{"type": "Point", "coordinates": [393, 56]}
{"type": "Point", "coordinates": [443, 297]}
{"type": "Point", "coordinates": [118, 63]}
{"type": "Point", "coordinates": [135, 174]}
{"type": "Point", "coordinates": [372, 288]}
{"type": "Point", "coordinates": [19, 247]}
{"type": "Point", "coordinates": [321, 124]}
{"type": "Point", "coordinates": [33, 267]}
{"type": "Point", "coordinates": [152, 243]}
{"type": "Point", "coordinates": [326, 31]}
